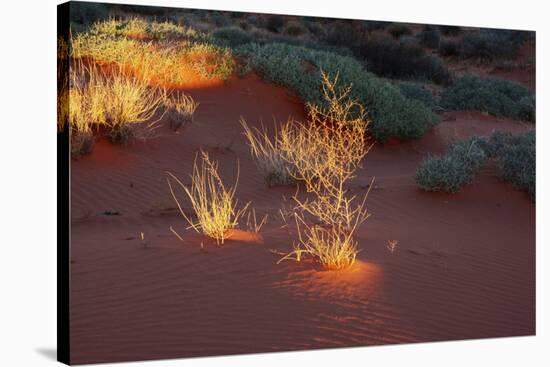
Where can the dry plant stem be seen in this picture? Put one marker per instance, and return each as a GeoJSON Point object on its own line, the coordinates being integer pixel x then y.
{"type": "Point", "coordinates": [212, 202]}
{"type": "Point", "coordinates": [252, 223]}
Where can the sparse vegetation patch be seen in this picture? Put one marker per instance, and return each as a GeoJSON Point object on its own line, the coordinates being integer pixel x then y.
{"type": "Point", "coordinates": [496, 96]}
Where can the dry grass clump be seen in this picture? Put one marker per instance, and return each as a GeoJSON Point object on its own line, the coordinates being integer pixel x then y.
{"type": "Point", "coordinates": [180, 109]}
{"type": "Point", "coordinates": [159, 53]}
{"type": "Point", "coordinates": [141, 29]}
{"type": "Point", "coordinates": [213, 203]}
{"type": "Point", "coordinates": [268, 154]}
{"type": "Point", "coordinates": [123, 105]}
{"type": "Point", "coordinates": [62, 83]}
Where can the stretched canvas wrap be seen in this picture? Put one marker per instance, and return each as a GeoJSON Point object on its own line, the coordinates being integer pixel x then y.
{"type": "Point", "coordinates": [236, 183]}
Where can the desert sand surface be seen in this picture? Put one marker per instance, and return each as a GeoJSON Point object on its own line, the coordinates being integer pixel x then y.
{"type": "Point", "coordinates": [463, 266]}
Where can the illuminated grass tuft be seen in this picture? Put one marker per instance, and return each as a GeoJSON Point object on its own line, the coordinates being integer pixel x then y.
{"type": "Point", "coordinates": [268, 155]}
{"type": "Point", "coordinates": [124, 105]}
{"type": "Point", "coordinates": [213, 203]}
{"type": "Point", "coordinates": [181, 108]}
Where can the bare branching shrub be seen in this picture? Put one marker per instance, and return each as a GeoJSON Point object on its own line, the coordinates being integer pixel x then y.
{"type": "Point", "coordinates": [180, 109]}
{"type": "Point", "coordinates": [213, 203]}
{"type": "Point", "coordinates": [267, 152]}
{"type": "Point", "coordinates": [325, 154]}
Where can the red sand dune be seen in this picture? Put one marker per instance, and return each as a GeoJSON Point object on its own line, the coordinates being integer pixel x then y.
{"type": "Point", "coordinates": [464, 265]}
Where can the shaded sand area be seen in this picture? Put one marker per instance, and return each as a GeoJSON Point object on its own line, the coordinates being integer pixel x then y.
{"type": "Point", "coordinates": [463, 266]}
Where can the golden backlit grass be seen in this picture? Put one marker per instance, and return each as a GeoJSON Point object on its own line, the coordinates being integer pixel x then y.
{"type": "Point", "coordinates": [268, 155]}
{"type": "Point", "coordinates": [181, 108]}
{"type": "Point", "coordinates": [62, 83]}
{"type": "Point", "coordinates": [110, 98]}
{"type": "Point", "coordinates": [334, 247]}
{"type": "Point", "coordinates": [325, 153]}
{"type": "Point", "coordinates": [160, 53]}
{"type": "Point", "coordinates": [214, 204]}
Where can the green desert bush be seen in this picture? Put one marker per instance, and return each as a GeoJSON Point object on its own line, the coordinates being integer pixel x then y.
{"type": "Point", "coordinates": [397, 30]}
{"type": "Point", "coordinates": [516, 162]}
{"type": "Point", "coordinates": [388, 58]}
{"type": "Point", "coordinates": [344, 33]}
{"type": "Point", "coordinates": [294, 28]}
{"type": "Point", "coordinates": [86, 13]}
{"type": "Point", "coordinates": [429, 37]}
{"type": "Point", "coordinates": [527, 108]}
{"type": "Point", "coordinates": [450, 30]}
{"type": "Point", "coordinates": [495, 96]}
{"type": "Point", "coordinates": [220, 19]}
{"type": "Point", "coordinates": [449, 48]}
{"type": "Point", "coordinates": [490, 44]}
{"type": "Point", "coordinates": [299, 68]}
{"type": "Point", "coordinates": [274, 23]}
{"type": "Point", "coordinates": [374, 25]}
{"type": "Point", "coordinates": [451, 172]}
{"type": "Point", "coordinates": [232, 36]}
{"type": "Point", "coordinates": [419, 92]}
{"type": "Point", "coordinates": [515, 157]}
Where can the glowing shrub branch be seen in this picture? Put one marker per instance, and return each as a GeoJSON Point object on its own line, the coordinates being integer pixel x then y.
{"type": "Point", "coordinates": [325, 153]}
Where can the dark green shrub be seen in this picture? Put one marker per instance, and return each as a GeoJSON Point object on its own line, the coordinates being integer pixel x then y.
{"type": "Point", "coordinates": [409, 41]}
{"type": "Point", "coordinates": [449, 48]}
{"type": "Point", "coordinates": [429, 37]}
{"type": "Point", "coordinates": [527, 108]}
{"type": "Point", "coordinates": [450, 30]}
{"type": "Point", "coordinates": [516, 162]}
{"type": "Point", "coordinates": [397, 30]}
{"type": "Point", "coordinates": [315, 28]}
{"type": "Point", "coordinates": [388, 58]}
{"type": "Point", "coordinates": [418, 92]}
{"type": "Point", "coordinates": [345, 33]}
{"type": "Point", "coordinates": [294, 28]}
{"type": "Point", "coordinates": [488, 44]}
{"type": "Point", "coordinates": [232, 36]}
{"type": "Point", "coordinates": [495, 96]}
{"type": "Point", "coordinates": [392, 114]}
{"type": "Point", "coordinates": [87, 13]}
{"type": "Point", "coordinates": [515, 157]}
{"type": "Point", "coordinates": [452, 171]}
{"type": "Point", "coordinates": [220, 19]}
{"type": "Point", "coordinates": [274, 23]}
{"type": "Point", "coordinates": [441, 174]}
{"type": "Point", "coordinates": [374, 25]}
